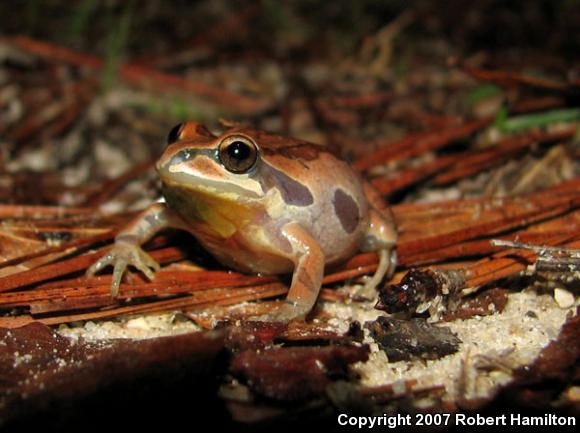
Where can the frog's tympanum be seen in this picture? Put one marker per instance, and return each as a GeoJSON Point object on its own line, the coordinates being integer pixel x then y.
{"type": "Point", "coordinates": [261, 203]}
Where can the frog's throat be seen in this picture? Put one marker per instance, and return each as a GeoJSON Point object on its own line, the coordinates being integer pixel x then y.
{"type": "Point", "coordinates": [220, 215]}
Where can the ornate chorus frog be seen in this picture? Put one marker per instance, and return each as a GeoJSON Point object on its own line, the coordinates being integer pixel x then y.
{"type": "Point", "coordinates": [261, 203]}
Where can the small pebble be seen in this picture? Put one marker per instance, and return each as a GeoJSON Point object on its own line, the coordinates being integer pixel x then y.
{"type": "Point", "coordinates": [573, 393]}
{"type": "Point", "coordinates": [137, 323]}
{"type": "Point", "coordinates": [563, 298]}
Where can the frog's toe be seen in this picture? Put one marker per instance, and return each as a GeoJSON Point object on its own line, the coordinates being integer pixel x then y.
{"type": "Point", "coordinates": [135, 256]}
{"type": "Point", "coordinates": [146, 264]}
{"type": "Point", "coordinates": [100, 264]}
{"type": "Point", "coordinates": [120, 257]}
{"type": "Point", "coordinates": [119, 268]}
{"type": "Point", "coordinates": [284, 314]}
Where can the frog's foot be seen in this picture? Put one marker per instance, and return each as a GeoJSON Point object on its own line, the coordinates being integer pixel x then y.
{"type": "Point", "coordinates": [122, 255]}
{"type": "Point", "coordinates": [385, 269]}
{"type": "Point", "coordinates": [284, 313]}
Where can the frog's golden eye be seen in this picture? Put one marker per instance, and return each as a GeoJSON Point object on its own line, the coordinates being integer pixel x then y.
{"type": "Point", "coordinates": [175, 133]}
{"type": "Point", "coordinates": [238, 154]}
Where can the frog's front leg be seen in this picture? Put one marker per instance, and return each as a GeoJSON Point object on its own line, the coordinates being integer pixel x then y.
{"type": "Point", "coordinates": [307, 278]}
{"type": "Point", "coordinates": [127, 248]}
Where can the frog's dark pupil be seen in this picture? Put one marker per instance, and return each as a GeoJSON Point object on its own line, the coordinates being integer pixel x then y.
{"type": "Point", "coordinates": [238, 156]}
{"type": "Point", "coordinates": [173, 135]}
{"type": "Point", "coordinates": [239, 150]}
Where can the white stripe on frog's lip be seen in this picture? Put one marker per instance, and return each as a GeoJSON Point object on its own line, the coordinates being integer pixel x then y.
{"type": "Point", "coordinates": [181, 175]}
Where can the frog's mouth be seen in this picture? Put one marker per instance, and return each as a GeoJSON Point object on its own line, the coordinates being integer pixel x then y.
{"type": "Point", "coordinates": [222, 188]}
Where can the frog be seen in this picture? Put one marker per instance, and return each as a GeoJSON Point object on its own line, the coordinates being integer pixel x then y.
{"type": "Point", "coordinates": [261, 203]}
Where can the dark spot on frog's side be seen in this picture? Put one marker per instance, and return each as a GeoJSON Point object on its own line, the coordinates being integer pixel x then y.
{"type": "Point", "coordinates": [293, 192]}
{"type": "Point", "coordinates": [346, 210]}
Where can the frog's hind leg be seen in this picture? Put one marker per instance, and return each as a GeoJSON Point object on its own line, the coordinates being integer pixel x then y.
{"type": "Point", "coordinates": [381, 237]}
{"type": "Point", "coordinates": [385, 269]}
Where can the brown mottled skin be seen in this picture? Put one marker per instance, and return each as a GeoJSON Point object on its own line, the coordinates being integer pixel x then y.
{"type": "Point", "coordinates": [261, 203]}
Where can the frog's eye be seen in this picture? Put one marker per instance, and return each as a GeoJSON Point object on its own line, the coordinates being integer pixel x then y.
{"type": "Point", "coordinates": [238, 154]}
{"type": "Point", "coordinates": [175, 132]}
